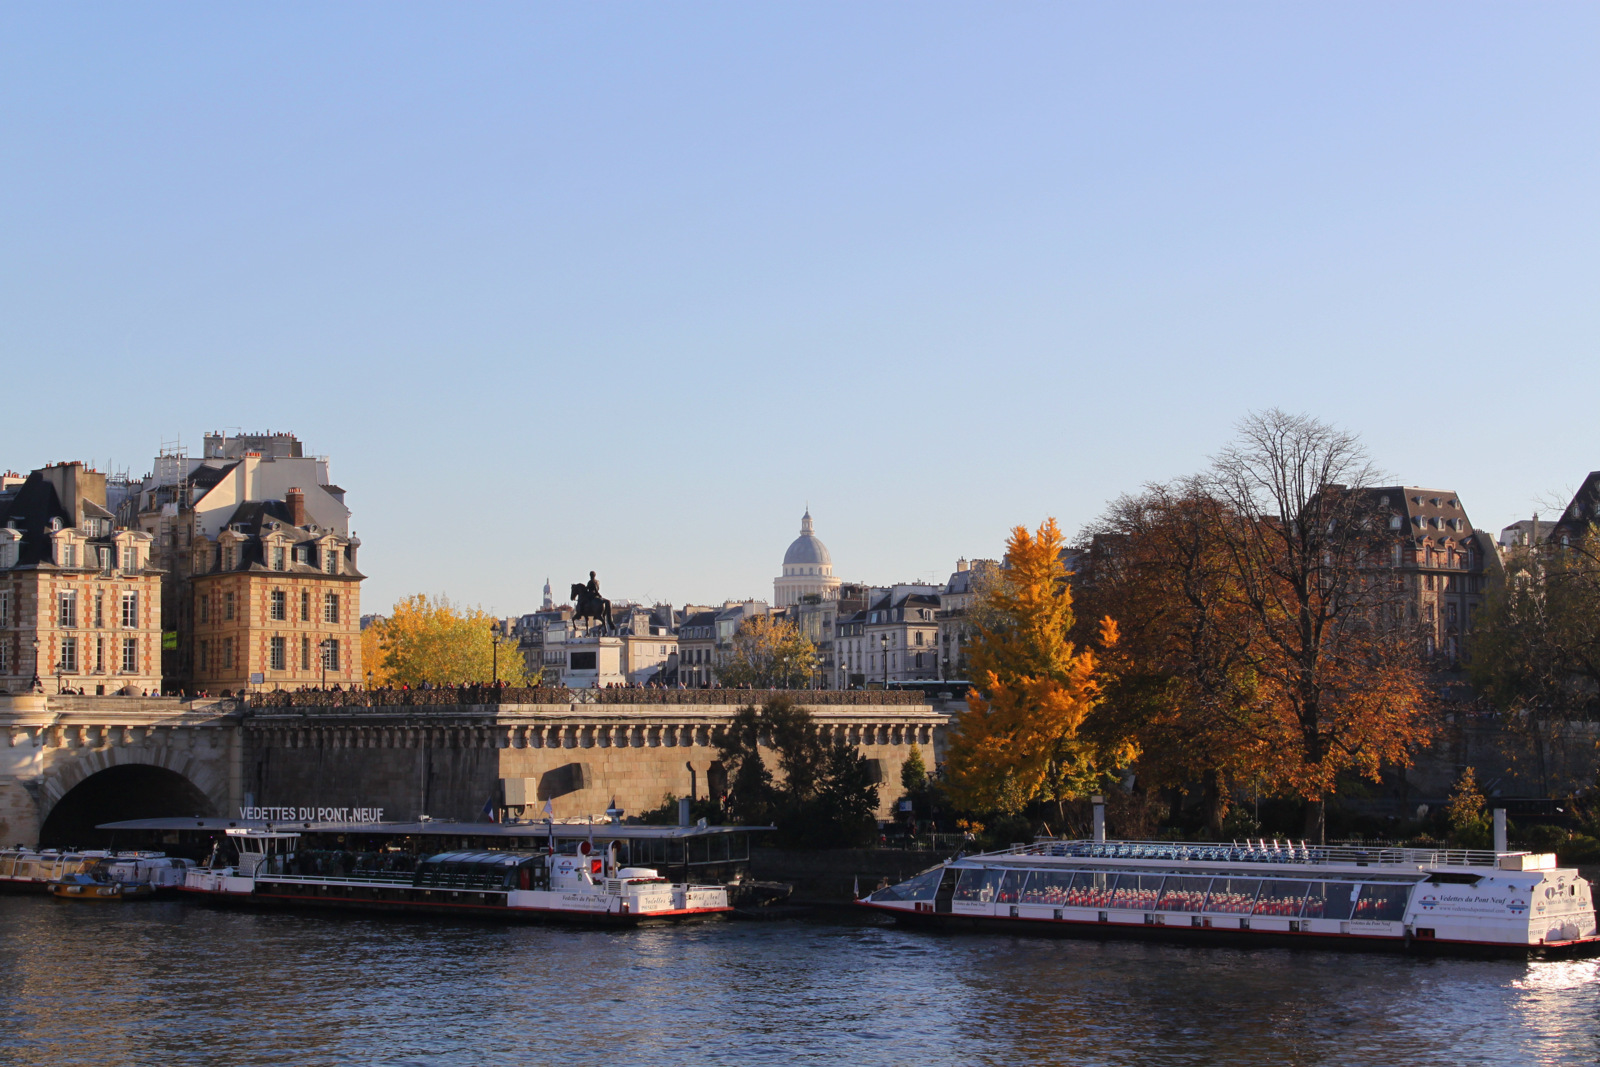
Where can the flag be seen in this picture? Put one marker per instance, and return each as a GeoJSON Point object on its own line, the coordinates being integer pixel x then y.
{"type": "Point", "coordinates": [549, 812]}
{"type": "Point", "coordinates": [488, 809]}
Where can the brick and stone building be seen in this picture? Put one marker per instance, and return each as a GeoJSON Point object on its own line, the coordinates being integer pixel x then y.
{"type": "Point", "coordinates": [1443, 562]}
{"type": "Point", "coordinates": [955, 626]}
{"type": "Point", "coordinates": [80, 601]}
{"type": "Point", "coordinates": [261, 577]}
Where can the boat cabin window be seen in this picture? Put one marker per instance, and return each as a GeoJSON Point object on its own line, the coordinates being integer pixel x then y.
{"type": "Point", "coordinates": [471, 870]}
{"type": "Point", "coordinates": [1329, 900]}
{"type": "Point", "coordinates": [1184, 894]}
{"type": "Point", "coordinates": [1382, 903]}
{"type": "Point", "coordinates": [1137, 892]}
{"type": "Point", "coordinates": [978, 885]}
{"type": "Point", "coordinates": [1047, 887]}
{"type": "Point", "coordinates": [1281, 898]}
{"type": "Point", "coordinates": [1233, 896]}
{"type": "Point", "coordinates": [922, 887]}
{"type": "Point", "coordinates": [1453, 878]}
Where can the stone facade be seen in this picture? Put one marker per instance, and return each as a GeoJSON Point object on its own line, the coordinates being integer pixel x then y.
{"type": "Point", "coordinates": [448, 761]}
{"type": "Point", "coordinates": [450, 764]}
{"type": "Point", "coordinates": [251, 504]}
{"type": "Point", "coordinates": [79, 603]}
{"type": "Point", "coordinates": [53, 744]}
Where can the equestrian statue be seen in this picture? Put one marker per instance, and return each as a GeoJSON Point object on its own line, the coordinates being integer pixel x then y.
{"type": "Point", "coordinates": [591, 605]}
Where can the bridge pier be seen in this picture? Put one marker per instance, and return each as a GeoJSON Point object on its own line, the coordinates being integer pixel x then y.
{"type": "Point", "coordinates": [170, 753]}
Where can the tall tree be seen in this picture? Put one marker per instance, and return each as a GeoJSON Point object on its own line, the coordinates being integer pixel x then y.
{"type": "Point", "coordinates": [1180, 678]}
{"type": "Point", "coordinates": [825, 797]}
{"type": "Point", "coordinates": [429, 639]}
{"type": "Point", "coordinates": [1022, 736]}
{"type": "Point", "coordinates": [1535, 652]}
{"type": "Point", "coordinates": [1342, 689]}
{"type": "Point", "coordinates": [769, 653]}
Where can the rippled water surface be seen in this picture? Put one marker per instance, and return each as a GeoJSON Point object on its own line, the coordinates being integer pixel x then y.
{"type": "Point", "coordinates": [163, 983]}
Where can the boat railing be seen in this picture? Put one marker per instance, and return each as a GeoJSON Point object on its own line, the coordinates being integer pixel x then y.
{"type": "Point", "coordinates": [1262, 851]}
{"type": "Point", "coordinates": [375, 877]}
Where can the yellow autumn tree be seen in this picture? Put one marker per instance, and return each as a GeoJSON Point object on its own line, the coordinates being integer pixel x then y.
{"type": "Point", "coordinates": [769, 653]}
{"type": "Point", "coordinates": [1022, 737]}
{"type": "Point", "coordinates": [429, 639]}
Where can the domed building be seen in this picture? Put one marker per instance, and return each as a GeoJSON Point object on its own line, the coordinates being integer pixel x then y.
{"type": "Point", "coordinates": [807, 569]}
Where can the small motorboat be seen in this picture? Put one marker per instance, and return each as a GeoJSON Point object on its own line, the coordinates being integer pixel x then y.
{"type": "Point", "coordinates": [84, 886]}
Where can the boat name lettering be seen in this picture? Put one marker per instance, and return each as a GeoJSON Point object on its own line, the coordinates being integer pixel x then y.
{"type": "Point", "coordinates": [313, 814]}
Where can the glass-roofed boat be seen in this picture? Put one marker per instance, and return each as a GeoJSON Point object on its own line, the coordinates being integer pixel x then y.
{"type": "Point", "coordinates": [1260, 893]}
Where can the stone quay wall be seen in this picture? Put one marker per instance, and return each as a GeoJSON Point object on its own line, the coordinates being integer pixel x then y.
{"type": "Point", "coordinates": [449, 761]}
{"type": "Point", "coordinates": [52, 744]}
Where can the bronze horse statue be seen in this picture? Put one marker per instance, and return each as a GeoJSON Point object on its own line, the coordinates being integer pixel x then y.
{"type": "Point", "coordinates": [590, 606]}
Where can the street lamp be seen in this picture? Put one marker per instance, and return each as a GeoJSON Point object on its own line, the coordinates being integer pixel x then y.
{"type": "Point", "coordinates": [494, 644]}
{"type": "Point", "coordinates": [36, 685]}
{"type": "Point", "coordinates": [326, 646]}
{"type": "Point", "coordinates": [883, 646]}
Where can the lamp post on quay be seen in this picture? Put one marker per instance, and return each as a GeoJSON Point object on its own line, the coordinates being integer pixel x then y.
{"type": "Point", "coordinates": [36, 685]}
{"type": "Point", "coordinates": [494, 645]}
{"type": "Point", "coordinates": [883, 646]}
{"type": "Point", "coordinates": [326, 646]}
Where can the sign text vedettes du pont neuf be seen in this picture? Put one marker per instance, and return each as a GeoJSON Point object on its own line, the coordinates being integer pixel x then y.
{"type": "Point", "coordinates": [313, 814]}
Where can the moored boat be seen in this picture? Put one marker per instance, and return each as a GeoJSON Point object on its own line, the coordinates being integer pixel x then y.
{"type": "Point", "coordinates": [1259, 893]}
{"type": "Point", "coordinates": [26, 870]}
{"type": "Point", "coordinates": [97, 889]}
{"type": "Point", "coordinates": [581, 882]}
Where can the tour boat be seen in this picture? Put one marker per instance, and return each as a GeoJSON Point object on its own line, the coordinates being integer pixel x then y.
{"type": "Point", "coordinates": [1260, 893]}
{"type": "Point", "coordinates": [164, 874]}
{"type": "Point", "coordinates": [25, 870]}
{"type": "Point", "coordinates": [88, 887]}
{"type": "Point", "coordinates": [581, 881]}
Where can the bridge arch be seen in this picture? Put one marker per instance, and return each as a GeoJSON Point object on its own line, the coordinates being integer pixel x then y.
{"type": "Point", "coordinates": [112, 784]}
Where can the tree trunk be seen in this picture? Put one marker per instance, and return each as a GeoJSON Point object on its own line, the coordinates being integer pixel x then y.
{"type": "Point", "coordinates": [1317, 821]}
{"type": "Point", "coordinates": [1216, 803]}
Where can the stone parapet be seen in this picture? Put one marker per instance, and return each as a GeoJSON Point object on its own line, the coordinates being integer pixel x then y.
{"type": "Point", "coordinates": [478, 695]}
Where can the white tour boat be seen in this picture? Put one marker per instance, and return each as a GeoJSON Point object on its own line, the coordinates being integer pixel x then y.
{"type": "Point", "coordinates": [583, 883]}
{"type": "Point", "coordinates": [1260, 893]}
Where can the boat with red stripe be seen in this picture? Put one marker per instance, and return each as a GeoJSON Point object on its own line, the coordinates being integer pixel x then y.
{"type": "Point", "coordinates": [1260, 893]}
{"type": "Point", "coordinates": [576, 881]}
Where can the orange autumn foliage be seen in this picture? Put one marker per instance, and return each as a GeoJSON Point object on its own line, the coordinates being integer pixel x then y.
{"type": "Point", "coordinates": [1022, 735]}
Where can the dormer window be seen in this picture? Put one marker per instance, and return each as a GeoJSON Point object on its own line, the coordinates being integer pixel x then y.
{"type": "Point", "coordinates": [67, 554]}
{"type": "Point", "coordinates": [280, 561]}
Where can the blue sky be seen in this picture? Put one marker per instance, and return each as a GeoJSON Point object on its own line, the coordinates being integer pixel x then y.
{"type": "Point", "coordinates": [626, 286]}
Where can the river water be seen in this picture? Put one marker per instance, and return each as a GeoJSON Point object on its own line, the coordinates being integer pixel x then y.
{"type": "Point", "coordinates": [169, 983]}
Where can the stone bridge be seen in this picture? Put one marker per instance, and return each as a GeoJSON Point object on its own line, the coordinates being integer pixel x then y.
{"type": "Point", "coordinates": [73, 762]}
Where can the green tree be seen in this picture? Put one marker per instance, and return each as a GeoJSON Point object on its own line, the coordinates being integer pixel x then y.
{"type": "Point", "coordinates": [914, 772]}
{"type": "Point", "coordinates": [769, 653]}
{"type": "Point", "coordinates": [1535, 651]}
{"type": "Point", "coordinates": [826, 797]}
{"type": "Point", "coordinates": [1469, 827]}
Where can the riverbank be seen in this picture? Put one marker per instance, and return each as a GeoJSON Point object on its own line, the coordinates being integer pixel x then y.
{"type": "Point", "coordinates": [830, 876]}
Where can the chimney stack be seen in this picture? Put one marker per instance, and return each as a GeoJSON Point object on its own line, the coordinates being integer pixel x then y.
{"type": "Point", "coordinates": [297, 506]}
